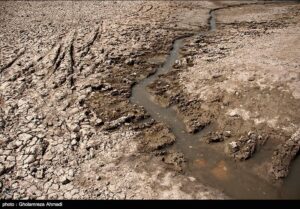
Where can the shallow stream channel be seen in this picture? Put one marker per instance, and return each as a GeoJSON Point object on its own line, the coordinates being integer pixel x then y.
{"type": "Point", "coordinates": [204, 162]}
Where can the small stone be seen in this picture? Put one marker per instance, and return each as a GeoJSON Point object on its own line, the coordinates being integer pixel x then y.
{"type": "Point", "coordinates": [192, 179]}
{"type": "Point", "coordinates": [74, 127]}
{"type": "Point", "coordinates": [71, 173]}
{"type": "Point", "coordinates": [98, 178]}
{"type": "Point", "coordinates": [99, 122]}
{"type": "Point", "coordinates": [73, 142]}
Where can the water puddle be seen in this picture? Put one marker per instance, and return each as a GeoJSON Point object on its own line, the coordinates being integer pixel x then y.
{"type": "Point", "coordinates": [212, 21]}
{"type": "Point", "coordinates": [206, 162]}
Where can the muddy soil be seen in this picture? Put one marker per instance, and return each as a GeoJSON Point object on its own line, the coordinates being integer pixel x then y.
{"type": "Point", "coordinates": [67, 127]}
{"type": "Point", "coordinates": [239, 85]}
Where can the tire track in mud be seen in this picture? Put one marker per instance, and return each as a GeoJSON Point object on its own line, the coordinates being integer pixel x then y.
{"type": "Point", "coordinates": [57, 59]}
{"type": "Point", "coordinates": [62, 51]}
{"type": "Point", "coordinates": [66, 51]}
{"type": "Point", "coordinates": [96, 36]}
{"type": "Point", "coordinates": [12, 61]}
{"type": "Point", "coordinates": [72, 62]}
{"type": "Point", "coordinates": [58, 65]}
{"type": "Point", "coordinates": [144, 9]}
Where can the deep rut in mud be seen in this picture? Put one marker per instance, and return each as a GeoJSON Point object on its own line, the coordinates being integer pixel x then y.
{"type": "Point", "coordinates": [203, 162]}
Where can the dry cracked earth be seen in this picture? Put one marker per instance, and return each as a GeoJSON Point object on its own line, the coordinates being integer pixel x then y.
{"type": "Point", "coordinates": [68, 129]}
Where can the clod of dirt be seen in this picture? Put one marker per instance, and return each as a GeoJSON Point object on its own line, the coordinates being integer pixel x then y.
{"type": "Point", "coordinates": [175, 159]}
{"type": "Point", "coordinates": [193, 125]}
{"type": "Point", "coordinates": [156, 137]}
{"type": "Point", "coordinates": [283, 156]}
{"type": "Point", "coordinates": [246, 146]}
{"type": "Point", "coordinates": [217, 137]}
{"type": "Point", "coordinates": [118, 122]}
{"type": "Point", "coordinates": [143, 125]}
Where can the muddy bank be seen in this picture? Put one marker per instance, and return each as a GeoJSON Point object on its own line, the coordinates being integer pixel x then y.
{"type": "Point", "coordinates": [239, 86]}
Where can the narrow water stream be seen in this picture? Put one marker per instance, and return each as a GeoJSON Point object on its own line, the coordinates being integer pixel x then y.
{"type": "Point", "coordinates": [204, 162]}
{"type": "Point", "coordinates": [212, 20]}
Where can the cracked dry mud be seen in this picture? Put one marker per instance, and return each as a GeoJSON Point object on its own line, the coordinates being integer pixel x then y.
{"type": "Point", "coordinates": [69, 128]}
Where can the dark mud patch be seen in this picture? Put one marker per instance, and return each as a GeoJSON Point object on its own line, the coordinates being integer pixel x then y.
{"type": "Point", "coordinates": [174, 160]}
{"type": "Point", "coordinates": [245, 147]}
{"type": "Point", "coordinates": [156, 137]}
{"type": "Point", "coordinates": [284, 155]}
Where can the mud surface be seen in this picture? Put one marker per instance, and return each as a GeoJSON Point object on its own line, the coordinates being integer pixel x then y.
{"type": "Point", "coordinates": [127, 100]}
{"type": "Point", "coordinates": [239, 83]}
{"type": "Point", "coordinates": [68, 129]}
